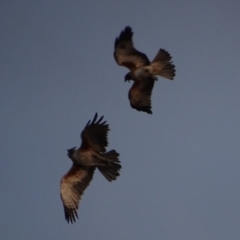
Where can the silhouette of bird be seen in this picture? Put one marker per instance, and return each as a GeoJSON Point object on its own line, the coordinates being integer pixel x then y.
{"type": "Point", "coordinates": [91, 155]}
{"type": "Point", "coordinates": [142, 71]}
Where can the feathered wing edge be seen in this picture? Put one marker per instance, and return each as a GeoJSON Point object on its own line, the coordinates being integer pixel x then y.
{"type": "Point", "coordinates": [93, 122]}
{"type": "Point", "coordinates": [124, 36]}
{"type": "Point", "coordinates": [94, 134]}
{"type": "Point", "coordinates": [73, 185]}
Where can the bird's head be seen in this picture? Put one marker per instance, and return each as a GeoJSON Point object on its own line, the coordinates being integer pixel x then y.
{"type": "Point", "coordinates": [128, 77]}
{"type": "Point", "coordinates": [71, 152]}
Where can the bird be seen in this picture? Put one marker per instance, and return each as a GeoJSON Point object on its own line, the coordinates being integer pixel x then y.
{"type": "Point", "coordinates": [142, 71]}
{"type": "Point", "coordinates": [91, 155]}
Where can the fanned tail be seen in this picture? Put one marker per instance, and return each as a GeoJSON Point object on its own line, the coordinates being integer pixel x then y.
{"type": "Point", "coordinates": [162, 65]}
{"type": "Point", "coordinates": [112, 165]}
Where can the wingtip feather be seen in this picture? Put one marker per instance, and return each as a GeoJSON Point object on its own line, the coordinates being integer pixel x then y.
{"type": "Point", "coordinates": [125, 35]}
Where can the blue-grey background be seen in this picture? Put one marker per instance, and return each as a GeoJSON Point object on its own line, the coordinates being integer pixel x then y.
{"type": "Point", "coordinates": [181, 168]}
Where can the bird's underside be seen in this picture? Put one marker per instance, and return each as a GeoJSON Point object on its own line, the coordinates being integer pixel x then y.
{"type": "Point", "coordinates": [142, 71]}
{"type": "Point", "coordinates": [91, 155]}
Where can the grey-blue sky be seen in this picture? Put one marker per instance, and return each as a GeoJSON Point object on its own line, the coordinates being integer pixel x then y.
{"type": "Point", "coordinates": [180, 176]}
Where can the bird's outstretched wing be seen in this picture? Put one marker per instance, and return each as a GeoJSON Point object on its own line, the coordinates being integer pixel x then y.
{"type": "Point", "coordinates": [125, 54]}
{"type": "Point", "coordinates": [140, 95]}
{"type": "Point", "coordinates": [94, 135]}
{"type": "Point", "coordinates": [72, 187]}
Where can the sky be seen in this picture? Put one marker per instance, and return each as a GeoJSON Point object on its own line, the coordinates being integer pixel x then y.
{"type": "Point", "coordinates": [180, 166]}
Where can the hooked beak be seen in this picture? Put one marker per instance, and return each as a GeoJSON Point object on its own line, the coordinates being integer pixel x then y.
{"type": "Point", "coordinates": [128, 77]}
{"type": "Point", "coordinates": [71, 151]}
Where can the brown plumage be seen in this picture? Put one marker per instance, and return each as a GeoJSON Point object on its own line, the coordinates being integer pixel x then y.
{"type": "Point", "coordinates": [91, 155]}
{"type": "Point", "coordinates": [142, 71]}
{"type": "Point", "coordinates": [139, 95]}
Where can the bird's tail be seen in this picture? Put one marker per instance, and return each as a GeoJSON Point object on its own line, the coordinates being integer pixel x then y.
{"type": "Point", "coordinates": [110, 165]}
{"type": "Point", "coordinates": [162, 65]}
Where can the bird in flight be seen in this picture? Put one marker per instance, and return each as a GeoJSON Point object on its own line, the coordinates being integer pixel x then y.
{"type": "Point", "coordinates": [91, 155]}
{"type": "Point", "coordinates": [142, 71]}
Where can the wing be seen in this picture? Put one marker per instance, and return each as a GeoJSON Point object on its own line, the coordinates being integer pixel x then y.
{"type": "Point", "coordinates": [125, 54]}
{"type": "Point", "coordinates": [94, 135]}
{"type": "Point", "coordinates": [72, 187]}
{"type": "Point", "coordinates": [140, 95]}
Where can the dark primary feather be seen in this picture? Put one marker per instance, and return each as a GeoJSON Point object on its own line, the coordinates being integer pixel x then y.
{"type": "Point", "coordinates": [124, 36]}
{"type": "Point", "coordinates": [124, 52]}
{"type": "Point", "coordinates": [94, 135]}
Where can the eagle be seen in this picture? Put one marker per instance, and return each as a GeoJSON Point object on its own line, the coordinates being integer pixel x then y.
{"type": "Point", "coordinates": [91, 155]}
{"type": "Point", "coordinates": [142, 71]}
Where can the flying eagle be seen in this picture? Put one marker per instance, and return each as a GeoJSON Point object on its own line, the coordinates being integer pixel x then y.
{"type": "Point", "coordinates": [142, 71]}
{"type": "Point", "coordinates": [91, 155]}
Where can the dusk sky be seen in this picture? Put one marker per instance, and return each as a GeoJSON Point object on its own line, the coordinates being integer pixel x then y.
{"type": "Point", "coordinates": [180, 177]}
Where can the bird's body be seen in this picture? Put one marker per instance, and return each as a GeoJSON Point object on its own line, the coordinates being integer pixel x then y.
{"type": "Point", "coordinates": [91, 155]}
{"type": "Point", "coordinates": [142, 73]}
{"type": "Point", "coordinates": [141, 69]}
{"type": "Point", "coordinates": [90, 158]}
{"type": "Point", "coordinates": [83, 158]}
